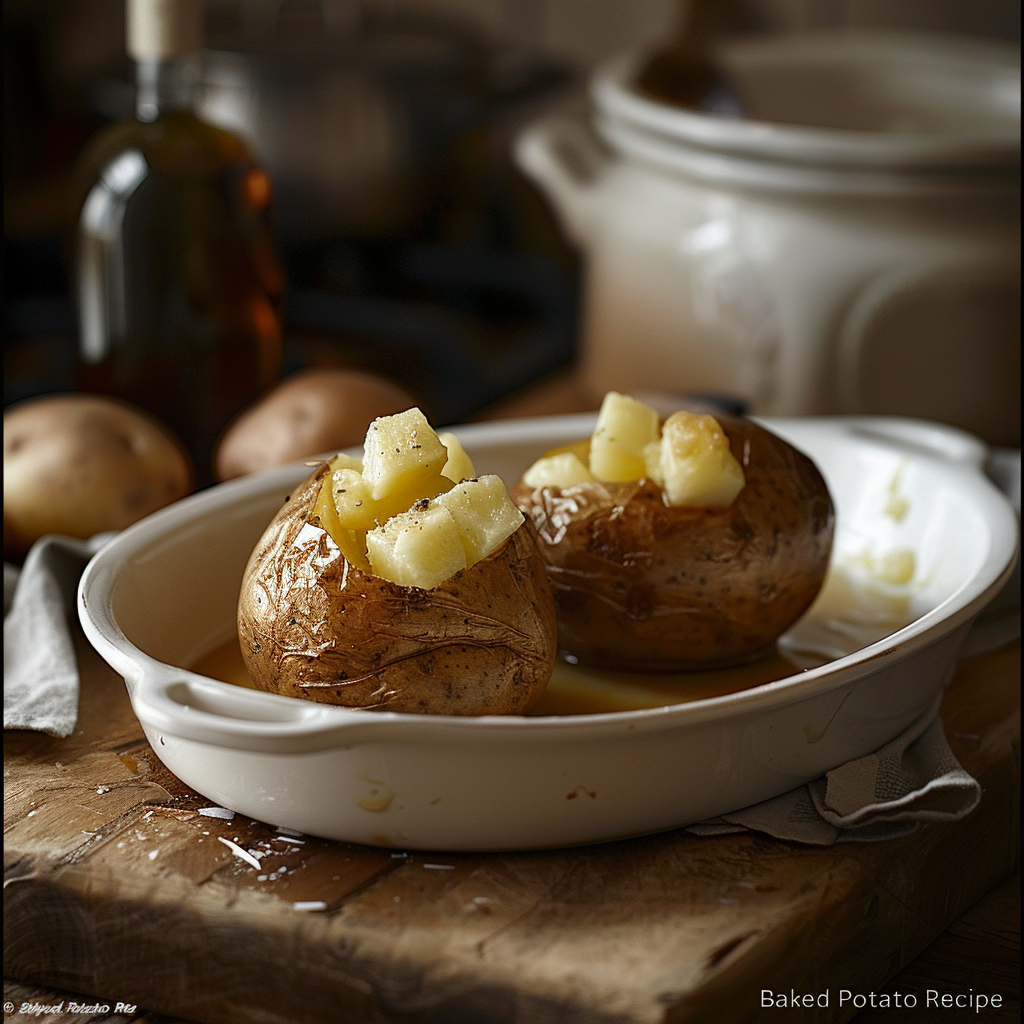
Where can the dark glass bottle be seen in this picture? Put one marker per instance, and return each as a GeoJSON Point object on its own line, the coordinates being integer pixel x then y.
{"type": "Point", "coordinates": [179, 287]}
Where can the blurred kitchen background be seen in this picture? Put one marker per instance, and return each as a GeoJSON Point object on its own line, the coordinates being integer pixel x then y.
{"type": "Point", "coordinates": [411, 242]}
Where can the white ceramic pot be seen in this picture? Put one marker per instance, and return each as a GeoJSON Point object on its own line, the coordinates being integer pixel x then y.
{"type": "Point", "coordinates": [164, 594]}
{"type": "Point", "coordinates": [862, 260]}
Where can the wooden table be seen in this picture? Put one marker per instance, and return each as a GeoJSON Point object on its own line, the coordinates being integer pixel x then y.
{"type": "Point", "coordinates": [116, 886]}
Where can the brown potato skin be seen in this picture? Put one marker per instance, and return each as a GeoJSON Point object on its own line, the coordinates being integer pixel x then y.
{"type": "Point", "coordinates": [643, 586]}
{"type": "Point", "coordinates": [312, 625]}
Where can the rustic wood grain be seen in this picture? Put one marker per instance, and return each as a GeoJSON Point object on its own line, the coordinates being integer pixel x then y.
{"type": "Point", "coordinates": [117, 887]}
{"type": "Point", "coordinates": [981, 948]}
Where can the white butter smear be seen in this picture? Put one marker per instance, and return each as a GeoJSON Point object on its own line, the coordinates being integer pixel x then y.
{"type": "Point", "coordinates": [865, 598]}
{"type": "Point", "coordinates": [896, 506]}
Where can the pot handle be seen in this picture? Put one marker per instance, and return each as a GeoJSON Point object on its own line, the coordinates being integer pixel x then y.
{"type": "Point", "coordinates": [568, 162]}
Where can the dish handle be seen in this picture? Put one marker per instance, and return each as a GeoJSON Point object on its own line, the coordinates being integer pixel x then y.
{"type": "Point", "coordinates": [178, 703]}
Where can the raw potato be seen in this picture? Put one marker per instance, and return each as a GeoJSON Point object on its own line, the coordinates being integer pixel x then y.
{"type": "Point", "coordinates": [309, 413]}
{"type": "Point", "coordinates": [78, 465]}
{"type": "Point", "coordinates": [643, 585]}
{"type": "Point", "coordinates": [313, 625]}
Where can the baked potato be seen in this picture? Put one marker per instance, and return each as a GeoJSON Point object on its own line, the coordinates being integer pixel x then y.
{"type": "Point", "coordinates": [696, 549]}
{"type": "Point", "coordinates": [384, 584]}
{"type": "Point", "coordinates": [81, 464]}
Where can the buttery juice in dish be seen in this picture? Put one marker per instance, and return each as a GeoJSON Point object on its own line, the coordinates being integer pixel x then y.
{"type": "Point", "coordinates": [856, 608]}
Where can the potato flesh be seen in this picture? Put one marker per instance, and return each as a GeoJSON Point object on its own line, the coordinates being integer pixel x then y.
{"type": "Point", "coordinates": [343, 461]}
{"type": "Point", "coordinates": [436, 539]}
{"type": "Point", "coordinates": [419, 548]}
{"type": "Point", "coordinates": [624, 429]}
{"type": "Point", "coordinates": [483, 513]}
{"type": "Point", "coordinates": [352, 543]}
{"type": "Point", "coordinates": [689, 459]}
{"type": "Point", "coordinates": [359, 510]}
{"type": "Point", "coordinates": [401, 453]}
{"type": "Point", "coordinates": [353, 499]}
{"type": "Point", "coordinates": [459, 466]}
{"type": "Point", "coordinates": [695, 466]}
{"type": "Point", "coordinates": [424, 527]}
{"type": "Point", "coordinates": [562, 470]}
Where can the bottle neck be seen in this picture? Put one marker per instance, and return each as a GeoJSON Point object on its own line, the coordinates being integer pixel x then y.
{"type": "Point", "coordinates": [165, 85]}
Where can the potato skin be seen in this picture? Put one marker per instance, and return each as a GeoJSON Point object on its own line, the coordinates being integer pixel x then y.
{"type": "Point", "coordinates": [311, 412]}
{"type": "Point", "coordinates": [81, 464]}
{"type": "Point", "coordinates": [312, 625]}
{"type": "Point", "coordinates": [643, 586]}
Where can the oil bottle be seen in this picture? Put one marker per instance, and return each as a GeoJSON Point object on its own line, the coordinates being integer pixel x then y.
{"type": "Point", "coordinates": [179, 287]}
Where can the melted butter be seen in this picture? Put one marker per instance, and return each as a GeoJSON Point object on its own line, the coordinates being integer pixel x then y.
{"type": "Point", "coordinates": [896, 506]}
{"type": "Point", "coordinates": [576, 690]}
{"type": "Point", "coordinates": [854, 609]}
{"type": "Point", "coordinates": [225, 663]}
{"type": "Point", "coordinates": [580, 690]}
{"type": "Point", "coordinates": [894, 567]}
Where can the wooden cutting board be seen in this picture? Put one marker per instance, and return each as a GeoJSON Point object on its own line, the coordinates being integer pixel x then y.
{"type": "Point", "coordinates": [117, 886]}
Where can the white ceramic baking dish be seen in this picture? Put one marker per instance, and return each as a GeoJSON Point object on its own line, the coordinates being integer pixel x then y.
{"type": "Point", "coordinates": [163, 594]}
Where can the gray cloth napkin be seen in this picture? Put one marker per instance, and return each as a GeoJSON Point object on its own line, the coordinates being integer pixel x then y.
{"type": "Point", "coordinates": [40, 670]}
{"type": "Point", "coordinates": [912, 780]}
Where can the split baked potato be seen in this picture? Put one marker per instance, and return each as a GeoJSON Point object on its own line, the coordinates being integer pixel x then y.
{"type": "Point", "coordinates": [400, 582]}
{"type": "Point", "coordinates": [692, 544]}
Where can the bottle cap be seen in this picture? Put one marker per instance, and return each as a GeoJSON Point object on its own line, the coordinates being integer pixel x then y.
{"type": "Point", "coordinates": [161, 29]}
